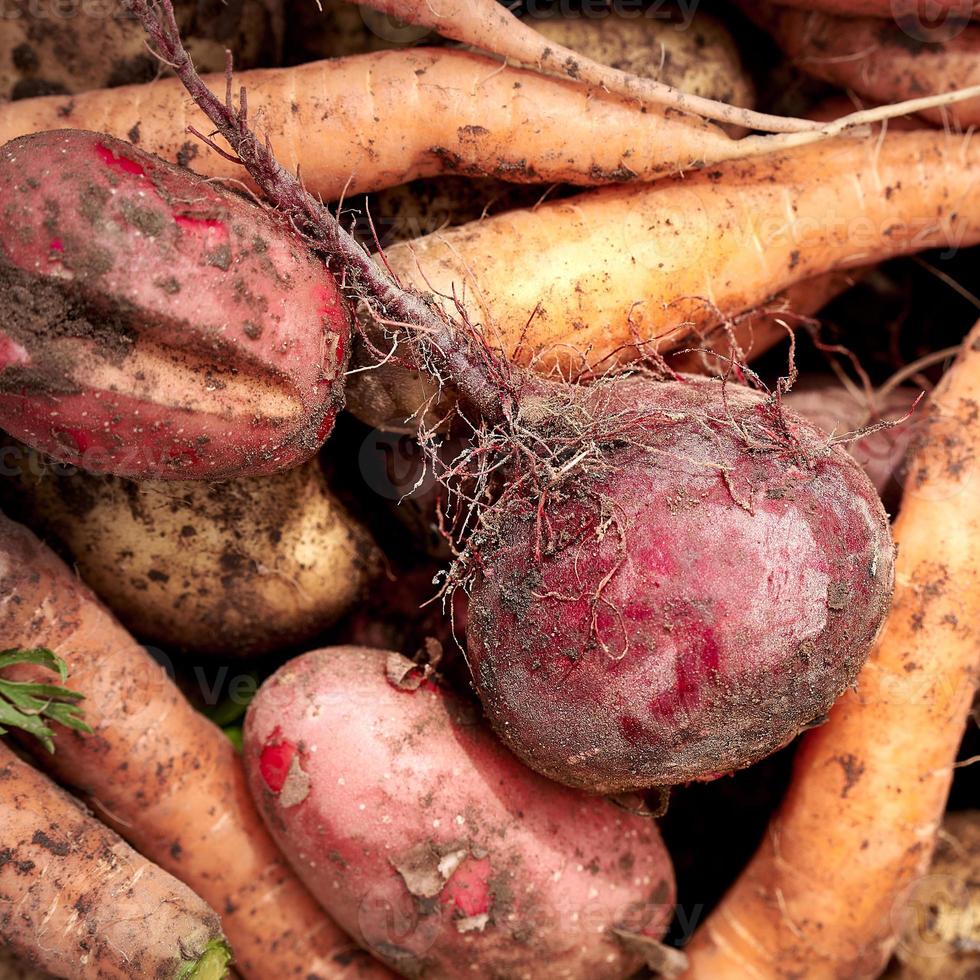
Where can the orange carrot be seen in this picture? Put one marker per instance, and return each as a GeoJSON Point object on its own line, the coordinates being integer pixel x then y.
{"type": "Point", "coordinates": [356, 123]}
{"type": "Point", "coordinates": [487, 25]}
{"type": "Point", "coordinates": [376, 120]}
{"type": "Point", "coordinates": [623, 271]}
{"type": "Point", "coordinates": [824, 895]}
{"type": "Point", "coordinates": [163, 775]}
{"type": "Point", "coordinates": [878, 59]}
{"type": "Point", "coordinates": [76, 901]}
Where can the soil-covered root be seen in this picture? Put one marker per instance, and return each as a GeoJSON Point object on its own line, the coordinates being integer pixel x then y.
{"type": "Point", "coordinates": [79, 903]}
{"type": "Point", "coordinates": [155, 324]}
{"type": "Point", "coordinates": [694, 593]}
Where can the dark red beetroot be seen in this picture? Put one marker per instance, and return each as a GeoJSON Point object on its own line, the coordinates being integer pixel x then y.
{"type": "Point", "coordinates": [703, 592]}
{"type": "Point", "coordinates": [155, 325]}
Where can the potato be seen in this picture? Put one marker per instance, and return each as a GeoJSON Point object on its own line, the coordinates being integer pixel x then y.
{"type": "Point", "coordinates": [155, 324]}
{"type": "Point", "coordinates": [238, 567]}
{"type": "Point", "coordinates": [942, 938]}
{"type": "Point", "coordinates": [699, 57]}
{"type": "Point", "coordinates": [77, 45]}
{"type": "Point", "coordinates": [430, 843]}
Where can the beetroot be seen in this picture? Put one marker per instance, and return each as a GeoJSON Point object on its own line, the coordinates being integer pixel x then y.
{"type": "Point", "coordinates": [154, 324]}
{"type": "Point", "coordinates": [688, 603]}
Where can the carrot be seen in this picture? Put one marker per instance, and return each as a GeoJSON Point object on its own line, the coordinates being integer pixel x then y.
{"type": "Point", "coordinates": [623, 271]}
{"type": "Point", "coordinates": [824, 894]}
{"type": "Point", "coordinates": [877, 58]}
{"type": "Point", "coordinates": [389, 395]}
{"type": "Point", "coordinates": [487, 25]}
{"type": "Point", "coordinates": [76, 901]}
{"type": "Point", "coordinates": [164, 776]}
{"type": "Point", "coordinates": [415, 113]}
{"type": "Point", "coordinates": [355, 123]}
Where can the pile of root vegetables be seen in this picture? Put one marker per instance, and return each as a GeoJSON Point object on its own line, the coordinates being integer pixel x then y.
{"type": "Point", "coordinates": [490, 490]}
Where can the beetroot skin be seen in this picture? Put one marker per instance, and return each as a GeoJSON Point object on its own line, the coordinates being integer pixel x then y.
{"type": "Point", "coordinates": [154, 324]}
{"type": "Point", "coordinates": [430, 844]}
{"type": "Point", "coordinates": [686, 604]}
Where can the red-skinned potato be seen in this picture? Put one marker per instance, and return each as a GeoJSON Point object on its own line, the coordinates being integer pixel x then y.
{"type": "Point", "coordinates": [430, 843]}
{"type": "Point", "coordinates": [155, 324]}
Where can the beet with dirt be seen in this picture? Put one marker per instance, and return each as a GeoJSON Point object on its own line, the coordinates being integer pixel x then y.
{"type": "Point", "coordinates": [700, 588]}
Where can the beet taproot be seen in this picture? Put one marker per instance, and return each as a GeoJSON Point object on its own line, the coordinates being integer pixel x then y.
{"type": "Point", "coordinates": [430, 843]}
{"type": "Point", "coordinates": [685, 604]}
{"type": "Point", "coordinates": [155, 324]}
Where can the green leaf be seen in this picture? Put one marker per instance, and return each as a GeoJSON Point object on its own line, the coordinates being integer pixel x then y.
{"type": "Point", "coordinates": [70, 716]}
{"type": "Point", "coordinates": [26, 705]}
{"type": "Point", "coordinates": [39, 655]}
{"type": "Point", "coordinates": [20, 689]}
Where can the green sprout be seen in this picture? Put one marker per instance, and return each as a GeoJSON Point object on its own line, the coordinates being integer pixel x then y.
{"type": "Point", "coordinates": [28, 706]}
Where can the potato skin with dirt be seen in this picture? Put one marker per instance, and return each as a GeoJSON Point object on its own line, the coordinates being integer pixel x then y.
{"type": "Point", "coordinates": [704, 592]}
{"type": "Point", "coordinates": [431, 844]}
{"type": "Point", "coordinates": [699, 57]}
{"type": "Point", "coordinates": [236, 568]}
{"type": "Point", "coordinates": [74, 47]}
{"type": "Point", "coordinates": [154, 324]}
